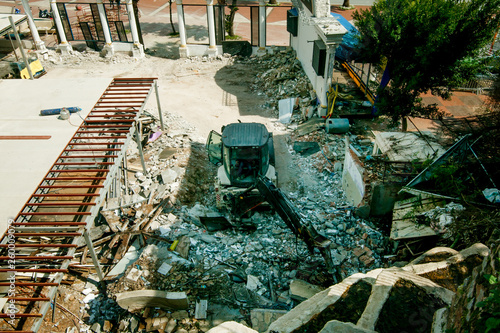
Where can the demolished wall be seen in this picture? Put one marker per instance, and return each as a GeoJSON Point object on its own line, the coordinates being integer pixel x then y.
{"type": "Point", "coordinates": [407, 299]}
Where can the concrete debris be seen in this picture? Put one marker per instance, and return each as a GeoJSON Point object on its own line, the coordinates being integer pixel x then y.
{"type": "Point", "coordinates": [134, 274]}
{"type": "Point", "coordinates": [164, 268]}
{"type": "Point", "coordinates": [163, 242]}
{"type": "Point", "coordinates": [301, 290]}
{"type": "Point", "coordinates": [372, 293]}
{"type": "Point", "coordinates": [262, 318]}
{"type": "Point", "coordinates": [201, 309]}
{"type": "Point", "coordinates": [286, 110]}
{"type": "Point", "coordinates": [156, 324]}
{"type": "Point", "coordinates": [231, 327]}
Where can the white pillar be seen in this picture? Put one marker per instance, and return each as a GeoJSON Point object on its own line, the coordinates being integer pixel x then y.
{"type": "Point", "coordinates": [183, 50]}
{"type": "Point", "coordinates": [108, 49]}
{"type": "Point", "coordinates": [137, 47]}
{"type": "Point", "coordinates": [64, 47]}
{"type": "Point", "coordinates": [40, 45]}
{"type": "Point", "coordinates": [212, 49]}
{"type": "Point", "coordinates": [262, 26]}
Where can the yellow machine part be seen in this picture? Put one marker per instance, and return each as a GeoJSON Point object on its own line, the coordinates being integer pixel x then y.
{"type": "Point", "coordinates": [36, 69]}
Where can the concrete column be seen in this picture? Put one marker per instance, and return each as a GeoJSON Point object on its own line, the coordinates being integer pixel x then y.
{"type": "Point", "coordinates": [40, 45]}
{"type": "Point", "coordinates": [212, 49]}
{"type": "Point", "coordinates": [183, 50]}
{"type": "Point", "coordinates": [137, 48]}
{"type": "Point", "coordinates": [262, 26]}
{"type": "Point", "coordinates": [64, 47]}
{"type": "Point", "coordinates": [108, 49]}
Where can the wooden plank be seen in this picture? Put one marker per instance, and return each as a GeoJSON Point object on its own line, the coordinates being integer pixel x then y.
{"type": "Point", "coordinates": [404, 220]}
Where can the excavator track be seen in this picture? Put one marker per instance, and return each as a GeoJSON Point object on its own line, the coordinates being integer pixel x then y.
{"type": "Point", "coordinates": [39, 245]}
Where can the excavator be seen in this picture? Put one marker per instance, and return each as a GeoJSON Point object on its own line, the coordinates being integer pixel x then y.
{"type": "Point", "coordinates": [247, 179]}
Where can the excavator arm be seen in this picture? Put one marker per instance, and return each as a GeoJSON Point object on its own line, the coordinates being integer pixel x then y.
{"type": "Point", "coordinates": [288, 213]}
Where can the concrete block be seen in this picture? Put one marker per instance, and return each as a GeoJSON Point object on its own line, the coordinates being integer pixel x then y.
{"type": "Point", "coordinates": [231, 327]}
{"type": "Point", "coordinates": [200, 311]}
{"type": "Point", "coordinates": [139, 299]}
{"type": "Point", "coordinates": [341, 327]}
{"type": "Point", "coordinates": [156, 324]}
{"type": "Point", "coordinates": [352, 178]}
{"type": "Point", "coordinates": [301, 290]}
{"type": "Point", "coordinates": [262, 318]}
{"type": "Point", "coordinates": [383, 198]}
{"type": "Point", "coordinates": [134, 275]}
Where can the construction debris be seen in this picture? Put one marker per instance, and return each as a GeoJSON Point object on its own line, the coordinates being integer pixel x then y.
{"type": "Point", "coordinates": [172, 261]}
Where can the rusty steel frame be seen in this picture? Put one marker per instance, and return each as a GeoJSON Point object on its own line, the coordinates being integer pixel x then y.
{"type": "Point", "coordinates": [73, 190]}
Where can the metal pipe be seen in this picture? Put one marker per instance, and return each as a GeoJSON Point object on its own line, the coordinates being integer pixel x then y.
{"type": "Point", "coordinates": [25, 58]}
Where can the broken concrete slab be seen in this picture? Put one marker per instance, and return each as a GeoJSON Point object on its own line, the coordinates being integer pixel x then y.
{"type": "Point", "coordinates": [308, 314]}
{"type": "Point", "coordinates": [434, 255]}
{"type": "Point", "coordinates": [134, 275]}
{"type": "Point", "coordinates": [342, 327]}
{"type": "Point", "coordinates": [352, 178]}
{"type": "Point", "coordinates": [167, 153]}
{"type": "Point", "coordinates": [140, 299]}
{"type": "Point", "coordinates": [156, 324]}
{"type": "Point", "coordinates": [169, 176]}
{"type": "Point", "coordinates": [262, 318]}
{"type": "Point", "coordinates": [405, 218]}
{"type": "Point", "coordinates": [453, 270]}
{"type": "Point", "coordinates": [407, 146]}
{"type": "Point", "coordinates": [301, 290]}
{"type": "Point", "coordinates": [164, 268]}
{"type": "Point", "coordinates": [231, 327]}
{"type": "Point", "coordinates": [183, 246]}
{"type": "Point", "coordinates": [132, 254]}
{"type": "Point", "coordinates": [200, 311]}
{"type": "Point", "coordinates": [285, 107]}
{"type": "Point", "coordinates": [311, 125]}
{"type": "Point", "coordinates": [306, 148]}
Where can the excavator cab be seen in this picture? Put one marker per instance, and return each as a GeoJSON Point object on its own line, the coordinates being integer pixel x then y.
{"type": "Point", "coordinates": [244, 151]}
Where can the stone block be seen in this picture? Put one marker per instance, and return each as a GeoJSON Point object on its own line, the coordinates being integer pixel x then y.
{"type": "Point", "coordinates": [341, 327]}
{"type": "Point", "coordinates": [201, 309]}
{"type": "Point", "coordinates": [262, 318]}
{"type": "Point", "coordinates": [301, 290]}
{"type": "Point", "coordinates": [231, 327]}
{"type": "Point", "coordinates": [156, 324]}
{"type": "Point", "coordinates": [383, 198]}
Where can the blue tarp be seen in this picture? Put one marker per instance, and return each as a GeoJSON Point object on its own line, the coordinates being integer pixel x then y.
{"type": "Point", "coordinates": [345, 51]}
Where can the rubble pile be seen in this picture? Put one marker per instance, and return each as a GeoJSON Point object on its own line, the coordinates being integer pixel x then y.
{"type": "Point", "coordinates": [283, 78]}
{"type": "Point", "coordinates": [245, 266]}
{"type": "Point", "coordinates": [241, 267]}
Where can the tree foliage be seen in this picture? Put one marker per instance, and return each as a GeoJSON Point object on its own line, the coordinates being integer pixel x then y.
{"type": "Point", "coordinates": [423, 43]}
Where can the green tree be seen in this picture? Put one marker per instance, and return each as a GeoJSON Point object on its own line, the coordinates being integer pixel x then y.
{"type": "Point", "coordinates": [229, 19]}
{"type": "Point", "coordinates": [422, 43]}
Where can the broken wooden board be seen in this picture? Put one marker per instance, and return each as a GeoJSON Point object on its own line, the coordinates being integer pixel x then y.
{"type": "Point", "coordinates": [405, 221]}
{"type": "Point", "coordinates": [140, 299]}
